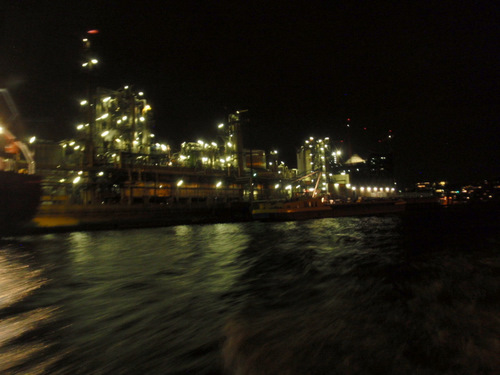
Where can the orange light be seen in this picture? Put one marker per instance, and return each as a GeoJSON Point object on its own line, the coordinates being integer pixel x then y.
{"type": "Point", "coordinates": [94, 31]}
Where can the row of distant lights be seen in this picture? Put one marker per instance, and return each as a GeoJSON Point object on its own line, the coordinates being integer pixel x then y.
{"type": "Point", "coordinates": [353, 188]}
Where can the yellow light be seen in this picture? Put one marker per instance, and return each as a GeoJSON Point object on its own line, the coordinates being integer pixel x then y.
{"type": "Point", "coordinates": [218, 184]}
{"type": "Point", "coordinates": [118, 140]}
{"type": "Point", "coordinates": [76, 180]}
{"type": "Point", "coordinates": [180, 182]}
{"type": "Point", "coordinates": [107, 99]}
{"type": "Point", "coordinates": [62, 180]}
{"type": "Point", "coordinates": [336, 184]}
{"type": "Point", "coordinates": [83, 102]}
{"type": "Point", "coordinates": [77, 147]}
{"type": "Point", "coordinates": [105, 133]}
{"type": "Point", "coordinates": [80, 127]}
{"type": "Point", "coordinates": [72, 143]}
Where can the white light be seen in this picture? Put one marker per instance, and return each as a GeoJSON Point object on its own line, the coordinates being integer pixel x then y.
{"type": "Point", "coordinates": [118, 140]}
{"type": "Point", "coordinates": [77, 147]}
{"type": "Point", "coordinates": [76, 180]}
{"type": "Point", "coordinates": [124, 118]}
{"type": "Point", "coordinates": [101, 173]}
{"type": "Point", "coordinates": [94, 61]}
{"type": "Point", "coordinates": [288, 187]}
{"type": "Point", "coordinates": [220, 126]}
{"type": "Point", "coordinates": [353, 188]}
{"type": "Point", "coordinates": [72, 143]}
{"type": "Point", "coordinates": [62, 180]}
{"type": "Point", "coordinates": [218, 184]}
{"type": "Point", "coordinates": [180, 182]}
{"type": "Point", "coordinates": [85, 64]}
{"type": "Point", "coordinates": [152, 135]}
{"type": "Point", "coordinates": [80, 127]}
{"type": "Point", "coordinates": [276, 186]}
{"type": "Point", "coordinates": [32, 139]}
{"type": "Point", "coordinates": [348, 186]}
{"type": "Point", "coordinates": [141, 93]}
{"type": "Point", "coordinates": [229, 144]}
{"type": "Point", "coordinates": [214, 144]}
{"type": "Point", "coordinates": [201, 142]}
{"type": "Point", "coordinates": [80, 173]}
{"type": "Point", "coordinates": [204, 159]}
{"type": "Point", "coordinates": [163, 148]}
{"type": "Point", "coordinates": [83, 102]}
{"type": "Point", "coordinates": [222, 160]}
{"type": "Point", "coordinates": [107, 99]}
{"type": "Point", "coordinates": [105, 133]}
{"type": "Point", "coordinates": [142, 119]}
{"type": "Point", "coordinates": [336, 184]}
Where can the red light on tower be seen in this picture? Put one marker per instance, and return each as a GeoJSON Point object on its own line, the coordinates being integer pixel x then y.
{"type": "Point", "coordinates": [94, 31]}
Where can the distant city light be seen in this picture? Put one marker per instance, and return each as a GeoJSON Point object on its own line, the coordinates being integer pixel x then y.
{"type": "Point", "coordinates": [180, 182]}
{"type": "Point", "coordinates": [220, 126]}
{"type": "Point", "coordinates": [32, 139]}
{"type": "Point", "coordinates": [83, 102]}
{"type": "Point", "coordinates": [219, 184]}
{"type": "Point", "coordinates": [93, 31]}
{"type": "Point", "coordinates": [76, 180]}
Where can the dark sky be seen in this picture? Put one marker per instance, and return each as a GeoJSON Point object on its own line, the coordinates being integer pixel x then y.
{"type": "Point", "coordinates": [427, 70]}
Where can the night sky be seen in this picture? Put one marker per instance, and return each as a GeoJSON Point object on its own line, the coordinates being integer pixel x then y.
{"type": "Point", "coordinates": [426, 70]}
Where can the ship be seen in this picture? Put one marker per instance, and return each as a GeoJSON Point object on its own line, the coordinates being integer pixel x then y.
{"type": "Point", "coordinates": [322, 207]}
{"type": "Point", "coordinates": [20, 187]}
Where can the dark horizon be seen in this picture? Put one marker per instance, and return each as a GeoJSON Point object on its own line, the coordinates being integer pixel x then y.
{"type": "Point", "coordinates": [426, 72]}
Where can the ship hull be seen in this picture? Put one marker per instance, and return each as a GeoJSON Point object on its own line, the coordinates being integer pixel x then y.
{"type": "Point", "coordinates": [276, 212]}
{"type": "Point", "coordinates": [19, 200]}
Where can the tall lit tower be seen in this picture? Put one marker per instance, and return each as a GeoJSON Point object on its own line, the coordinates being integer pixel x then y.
{"type": "Point", "coordinates": [89, 63]}
{"type": "Point", "coordinates": [236, 136]}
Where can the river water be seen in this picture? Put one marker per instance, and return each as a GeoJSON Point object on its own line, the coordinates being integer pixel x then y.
{"type": "Point", "coordinates": [416, 293]}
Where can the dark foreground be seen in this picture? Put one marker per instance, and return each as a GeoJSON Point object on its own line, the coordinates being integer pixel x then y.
{"type": "Point", "coordinates": [410, 294]}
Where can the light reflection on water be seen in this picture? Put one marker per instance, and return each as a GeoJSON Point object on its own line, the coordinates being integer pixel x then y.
{"type": "Point", "coordinates": [400, 295]}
